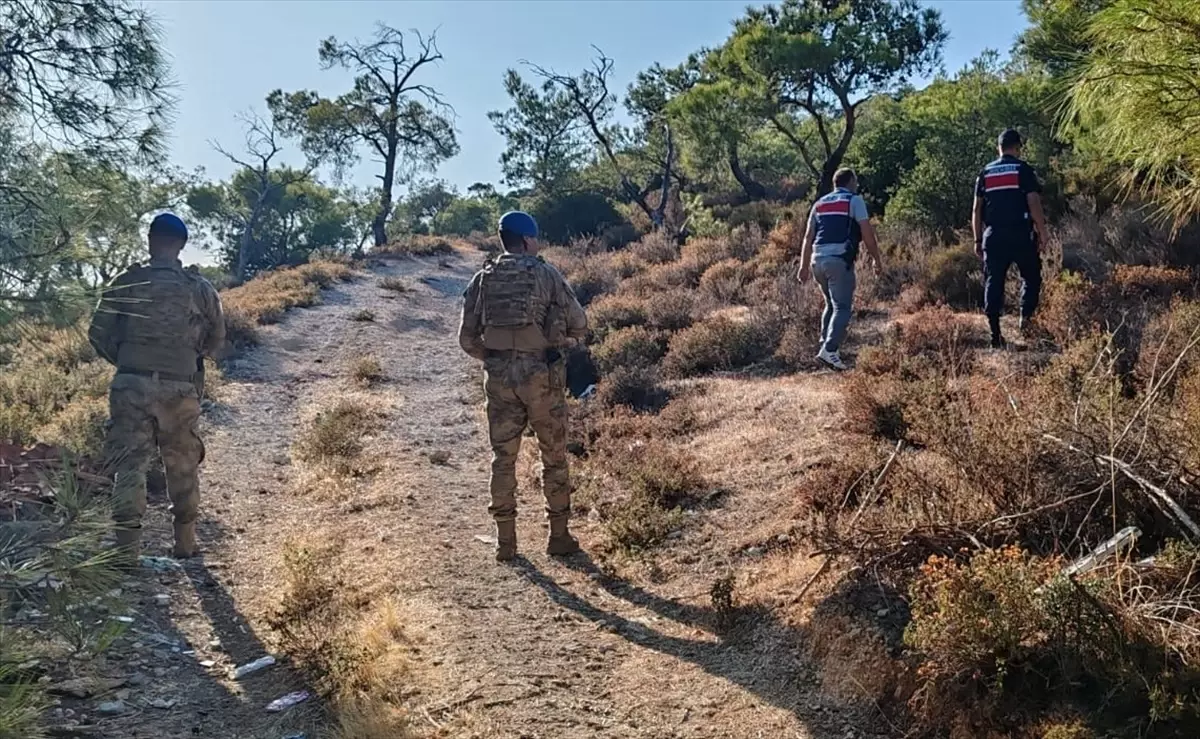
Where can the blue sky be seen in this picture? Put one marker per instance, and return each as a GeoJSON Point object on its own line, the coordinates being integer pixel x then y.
{"type": "Point", "coordinates": [228, 54]}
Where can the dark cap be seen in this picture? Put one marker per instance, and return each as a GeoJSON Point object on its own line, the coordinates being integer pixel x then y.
{"type": "Point", "coordinates": [1009, 138]}
{"type": "Point", "coordinates": [169, 224]}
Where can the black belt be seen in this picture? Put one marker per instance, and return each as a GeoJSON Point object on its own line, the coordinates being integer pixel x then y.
{"type": "Point", "coordinates": [155, 375]}
{"type": "Point", "coordinates": [512, 353]}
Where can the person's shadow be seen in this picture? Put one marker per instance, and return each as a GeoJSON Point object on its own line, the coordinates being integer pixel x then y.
{"type": "Point", "coordinates": [775, 681]}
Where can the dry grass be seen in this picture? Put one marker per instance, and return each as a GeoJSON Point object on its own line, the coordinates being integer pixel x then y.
{"type": "Point", "coordinates": [396, 284]}
{"type": "Point", "coordinates": [333, 437]}
{"type": "Point", "coordinates": [354, 649]}
{"type": "Point", "coordinates": [366, 370]}
{"type": "Point", "coordinates": [363, 316]}
{"type": "Point", "coordinates": [419, 245]}
{"type": "Point", "coordinates": [54, 389]}
{"type": "Point", "coordinates": [266, 298]}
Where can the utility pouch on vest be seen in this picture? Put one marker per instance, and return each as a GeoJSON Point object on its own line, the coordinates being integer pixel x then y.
{"type": "Point", "coordinates": [508, 287]}
{"type": "Point", "coordinates": [852, 248]}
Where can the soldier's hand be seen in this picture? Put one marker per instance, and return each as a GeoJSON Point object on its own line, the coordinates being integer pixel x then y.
{"type": "Point", "coordinates": [805, 273]}
{"type": "Point", "coordinates": [979, 249]}
{"type": "Point", "coordinates": [877, 264]}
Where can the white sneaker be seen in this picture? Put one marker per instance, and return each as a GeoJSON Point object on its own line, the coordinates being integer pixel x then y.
{"type": "Point", "coordinates": [832, 359]}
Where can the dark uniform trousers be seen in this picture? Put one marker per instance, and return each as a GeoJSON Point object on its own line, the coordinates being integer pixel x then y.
{"type": "Point", "coordinates": [1003, 248]}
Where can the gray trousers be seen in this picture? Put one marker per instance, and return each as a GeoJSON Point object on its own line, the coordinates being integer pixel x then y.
{"type": "Point", "coordinates": [836, 278]}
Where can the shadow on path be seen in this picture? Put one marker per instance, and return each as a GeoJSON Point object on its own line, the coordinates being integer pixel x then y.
{"type": "Point", "coordinates": [740, 655]}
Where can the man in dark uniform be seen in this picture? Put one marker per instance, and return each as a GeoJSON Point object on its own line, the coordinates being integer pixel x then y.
{"type": "Point", "coordinates": [1010, 228]}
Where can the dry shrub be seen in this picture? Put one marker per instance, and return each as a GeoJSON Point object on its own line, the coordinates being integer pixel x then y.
{"type": "Point", "coordinates": [874, 406]}
{"type": "Point", "coordinates": [626, 264]}
{"type": "Point", "coordinates": [725, 282]}
{"type": "Point", "coordinates": [940, 335]}
{"type": "Point", "coordinates": [784, 244]}
{"type": "Point", "coordinates": [801, 306]}
{"type": "Point", "coordinates": [593, 277]}
{"type": "Point", "coordinates": [417, 245]}
{"type": "Point", "coordinates": [396, 284]}
{"type": "Point", "coordinates": [615, 312]}
{"type": "Point", "coordinates": [54, 390]}
{"type": "Point", "coordinates": [952, 276]}
{"type": "Point", "coordinates": [636, 388]}
{"type": "Point", "coordinates": [1071, 307]}
{"type": "Point", "coordinates": [364, 315]}
{"type": "Point", "coordinates": [723, 341]}
{"type": "Point", "coordinates": [660, 479]}
{"type": "Point", "coordinates": [1171, 351]}
{"type": "Point", "coordinates": [670, 311]}
{"type": "Point", "coordinates": [655, 248]}
{"type": "Point", "coordinates": [335, 434]}
{"type": "Point", "coordinates": [366, 369]}
{"type": "Point", "coordinates": [631, 348]}
{"type": "Point", "coordinates": [1154, 284]}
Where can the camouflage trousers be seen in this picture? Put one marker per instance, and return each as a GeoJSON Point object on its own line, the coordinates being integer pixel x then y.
{"type": "Point", "coordinates": [527, 392]}
{"type": "Point", "coordinates": [146, 416]}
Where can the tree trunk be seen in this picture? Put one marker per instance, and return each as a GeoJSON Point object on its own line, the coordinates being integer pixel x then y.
{"type": "Point", "coordinates": [379, 225]}
{"type": "Point", "coordinates": [834, 161]}
{"type": "Point", "coordinates": [659, 216]}
{"type": "Point", "coordinates": [753, 189]}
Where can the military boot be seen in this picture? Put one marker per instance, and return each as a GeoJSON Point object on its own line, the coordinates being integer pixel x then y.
{"type": "Point", "coordinates": [185, 540]}
{"type": "Point", "coordinates": [561, 542]}
{"type": "Point", "coordinates": [506, 541]}
{"type": "Point", "coordinates": [129, 546]}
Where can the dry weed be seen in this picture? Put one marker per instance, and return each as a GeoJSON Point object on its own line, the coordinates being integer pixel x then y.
{"type": "Point", "coordinates": [366, 370]}
{"type": "Point", "coordinates": [335, 434]}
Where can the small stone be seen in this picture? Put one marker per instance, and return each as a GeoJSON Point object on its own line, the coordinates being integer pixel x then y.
{"type": "Point", "coordinates": [440, 457]}
{"type": "Point", "coordinates": [111, 708]}
{"type": "Point", "coordinates": [138, 679]}
{"type": "Point", "coordinates": [881, 612]}
{"type": "Point", "coordinates": [214, 644]}
{"type": "Point", "coordinates": [163, 703]}
{"type": "Point", "coordinates": [676, 534]}
{"type": "Point", "coordinates": [162, 599]}
{"type": "Point", "coordinates": [208, 663]}
{"type": "Point", "coordinates": [754, 551]}
{"type": "Point", "coordinates": [122, 695]}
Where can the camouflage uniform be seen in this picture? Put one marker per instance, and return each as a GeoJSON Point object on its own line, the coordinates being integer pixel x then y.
{"type": "Point", "coordinates": [153, 323]}
{"type": "Point", "coordinates": [518, 313]}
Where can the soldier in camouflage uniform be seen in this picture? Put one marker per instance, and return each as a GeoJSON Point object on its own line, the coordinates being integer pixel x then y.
{"type": "Point", "coordinates": [518, 315]}
{"type": "Point", "coordinates": [153, 324]}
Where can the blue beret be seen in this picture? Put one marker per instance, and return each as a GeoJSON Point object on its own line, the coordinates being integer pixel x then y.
{"type": "Point", "coordinates": [169, 224]}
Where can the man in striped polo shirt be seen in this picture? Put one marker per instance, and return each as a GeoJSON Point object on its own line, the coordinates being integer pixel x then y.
{"type": "Point", "coordinates": [1010, 228]}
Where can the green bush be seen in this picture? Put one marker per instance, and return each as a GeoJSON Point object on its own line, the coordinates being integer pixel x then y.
{"type": "Point", "coordinates": [565, 217]}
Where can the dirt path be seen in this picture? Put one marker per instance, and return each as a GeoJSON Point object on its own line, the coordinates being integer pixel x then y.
{"type": "Point", "coordinates": [540, 649]}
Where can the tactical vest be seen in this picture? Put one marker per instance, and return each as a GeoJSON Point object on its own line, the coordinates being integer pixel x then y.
{"type": "Point", "coordinates": [838, 233]}
{"type": "Point", "coordinates": [507, 292]}
{"type": "Point", "coordinates": [161, 320]}
{"type": "Point", "coordinates": [1005, 205]}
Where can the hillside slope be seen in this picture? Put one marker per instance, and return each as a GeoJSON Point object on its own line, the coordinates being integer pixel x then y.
{"type": "Point", "coordinates": [540, 649]}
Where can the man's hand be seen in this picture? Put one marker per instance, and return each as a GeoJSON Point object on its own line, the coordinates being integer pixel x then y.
{"type": "Point", "coordinates": [979, 249]}
{"type": "Point", "coordinates": [805, 273]}
{"type": "Point", "coordinates": [877, 263]}
{"type": "Point", "coordinates": [1039, 238]}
